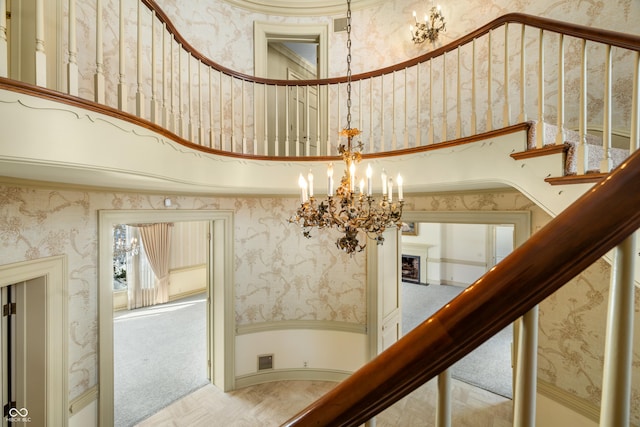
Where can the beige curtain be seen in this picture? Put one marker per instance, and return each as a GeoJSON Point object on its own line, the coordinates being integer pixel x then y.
{"type": "Point", "coordinates": [156, 239]}
{"type": "Point", "coordinates": [140, 277]}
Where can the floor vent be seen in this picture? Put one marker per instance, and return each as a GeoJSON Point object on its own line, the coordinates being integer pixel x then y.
{"type": "Point", "coordinates": [265, 361]}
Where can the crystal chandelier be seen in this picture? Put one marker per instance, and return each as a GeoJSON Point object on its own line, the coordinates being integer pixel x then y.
{"type": "Point", "coordinates": [349, 211]}
{"type": "Point", "coordinates": [120, 245]}
{"type": "Point", "coordinates": [429, 29]}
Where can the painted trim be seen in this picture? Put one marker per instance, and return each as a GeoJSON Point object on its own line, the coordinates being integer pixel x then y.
{"type": "Point", "coordinates": [482, 264]}
{"type": "Point", "coordinates": [220, 312]}
{"type": "Point", "coordinates": [187, 294]}
{"type": "Point", "coordinates": [188, 268]}
{"type": "Point", "coordinates": [264, 31]}
{"type": "Point", "coordinates": [301, 7]}
{"type": "Point", "coordinates": [56, 381]}
{"type": "Point", "coordinates": [569, 400]}
{"type": "Point", "coordinates": [291, 375]}
{"type": "Point", "coordinates": [84, 400]}
{"type": "Point", "coordinates": [322, 325]}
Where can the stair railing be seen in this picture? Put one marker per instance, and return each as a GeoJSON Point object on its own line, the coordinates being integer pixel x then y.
{"type": "Point", "coordinates": [464, 88]}
{"type": "Point", "coordinates": [598, 221]}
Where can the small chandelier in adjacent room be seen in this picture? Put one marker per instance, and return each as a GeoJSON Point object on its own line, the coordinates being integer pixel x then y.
{"type": "Point", "coordinates": [120, 245]}
{"type": "Point", "coordinates": [350, 209]}
{"type": "Point", "coordinates": [429, 29]}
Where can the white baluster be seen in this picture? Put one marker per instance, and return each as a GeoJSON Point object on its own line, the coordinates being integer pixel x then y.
{"type": "Point", "coordinates": [4, 60]}
{"type": "Point", "coordinates": [181, 112]}
{"type": "Point", "coordinates": [276, 141]}
{"type": "Point", "coordinates": [212, 133]}
{"type": "Point", "coordinates": [634, 143]}
{"type": "Point", "coordinates": [582, 151]}
{"type": "Point", "coordinates": [382, 142]}
{"type": "Point", "coordinates": [165, 102]}
{"type": "Point", "coordinates": [560, 134]}
{"type": "Point", "coordinates": [122, 81]}
{"type": "Point", "coordinates": [72, 66]}
{"type": "Point", "coordinates": [618, 349]}
{"type": "Point", "coordinates": [523, 76]}
{"type": "Point", "coordinates": [307, 148]}
{"type": "Point", "coordinates": [297, 135]}
{"type": "Point", "coordinates": [418, 94]}
{"type": "Point", "coordinates": [524, 405]}
{"type": "Point", "coordinates": [474, 116]}
{"type": "Point", "coordinates": [430, 139]}
{"type": "Point", "coordinates": [243, 122]}
{"type": "Point", "coordinates": [506, 114]}
{"type": "Point", "coordinates": [172, 85]}
{"type": "Point", "coordinates": [200, 118]}
{"type": "Point", "coordinates": [266, 124]}
{"type": "Point", "coordinates": [371, 139]}
{"type": "Point", "coordinates": [98, 78]}
{"type": "Point", "coordinates": [139, 94]}
{"type": "Point", "coordinates": [540, 125]}
{"type": "Point", "coordinates": [393, 111]}
{"type": "Point", "coordinates": [232, 147]}
{"type": "Point", "coordinates": [443, 409]}
{"type": "Point", "coordinates": [406, 108]}
{"type": "Point", "coordinates": [221, 102]}
{"type": "Point", "coordinates": [489, 75]}
{"type": "Point", "coordinates": [155, 103]}
{"type": "Point", "coordinates": [318, 106]}
{"type": "Point", "coordinates": [445, 125]}
{"type": "Point", "coordinates": [190, 124]}
{"type": "Point", "coordinates": [40, 55]}
{"type": "Point", "coordinates": [458, 97]}
{"type": "Point", "coordinates": [606, 163]}
{"type": "Point", "coordinates": [255, 118]}
{"type": "Point", "coordinates": [287, 131]}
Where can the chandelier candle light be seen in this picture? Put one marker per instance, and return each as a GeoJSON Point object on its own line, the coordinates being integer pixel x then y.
{"type": "Point", "coordinates": [346, 210]}
{"type": "Point", "coordinates": [429, 29]}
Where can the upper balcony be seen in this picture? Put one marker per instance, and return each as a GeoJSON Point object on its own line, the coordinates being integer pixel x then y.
{"type": "Point", "coordinates": [144, 109]}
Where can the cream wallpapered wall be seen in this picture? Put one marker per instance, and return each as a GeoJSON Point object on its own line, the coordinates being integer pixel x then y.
{"type": "Point", "coordinates": [277, 276]}
{"type": "Point", "coordinates": [280, 275]}
{"type": "Point", "coordinates": [572, 320]}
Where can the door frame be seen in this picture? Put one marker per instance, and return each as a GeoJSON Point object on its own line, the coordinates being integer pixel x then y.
{"type": "Point", "coordinates": [54, 271]}
{"type": "Point", "coordinates": [521, 221]}
{"type": "Point", "coordinates": [220, 300]}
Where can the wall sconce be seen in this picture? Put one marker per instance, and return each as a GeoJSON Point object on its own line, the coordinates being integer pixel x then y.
{"type": "Point", "coordinates": [429, 29]}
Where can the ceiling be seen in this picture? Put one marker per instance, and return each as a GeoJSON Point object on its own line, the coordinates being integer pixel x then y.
{"type": "Point", "coordinates": [302, 7]}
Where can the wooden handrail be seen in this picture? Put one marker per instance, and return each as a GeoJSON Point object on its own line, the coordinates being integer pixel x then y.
{"type": "Point", "coordinates": [628, 41]}
{"type": "Point", "coordinates": [597, 222]}
{"type": "Point", "coordinates": [77, 102]}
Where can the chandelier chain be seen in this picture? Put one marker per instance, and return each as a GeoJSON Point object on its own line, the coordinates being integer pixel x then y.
{"type": "Point", "coordinates": [348, 64]}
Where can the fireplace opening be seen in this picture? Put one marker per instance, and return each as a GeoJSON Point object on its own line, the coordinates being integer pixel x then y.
{"type": "Point", "coordinates": [411, 268]}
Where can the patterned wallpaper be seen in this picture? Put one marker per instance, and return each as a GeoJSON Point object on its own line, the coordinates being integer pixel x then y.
{"type": "Point", "coordinates": [279, 275]}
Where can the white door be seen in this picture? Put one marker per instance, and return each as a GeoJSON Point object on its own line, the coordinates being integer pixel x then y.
{"type": "Point", "coordinates": [384, 261]}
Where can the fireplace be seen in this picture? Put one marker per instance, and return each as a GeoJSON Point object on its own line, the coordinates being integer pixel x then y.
{"type": "Point", "coordinates": [411, 268]}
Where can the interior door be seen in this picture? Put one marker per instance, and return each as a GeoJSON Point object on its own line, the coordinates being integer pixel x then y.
{"type": "Point", "coordinates": [384, 271]}
{"type": "Point", "coordinates": [303, 116]}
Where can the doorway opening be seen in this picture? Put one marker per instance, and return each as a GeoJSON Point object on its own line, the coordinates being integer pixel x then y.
{"type": "Point", "coordinates": [159, 325]}
{"type": "Point", "coordinates": [219, 324]}
{"type": "Point", "coordinates": [297, 117]}
{"type": "Point", "coordinates": [34, 341]}
{"type": "Point", "coordinates": [454, 249]}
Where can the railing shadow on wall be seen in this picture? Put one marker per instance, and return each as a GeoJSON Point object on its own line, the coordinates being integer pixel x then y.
{"type": "Point", "coordinates": [515, 69]}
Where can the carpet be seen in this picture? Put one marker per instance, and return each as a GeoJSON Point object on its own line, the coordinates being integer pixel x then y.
{"type": "Point", "coordinates": [489, 366]}
{"type": "Point", "coordinates": [159, 357]}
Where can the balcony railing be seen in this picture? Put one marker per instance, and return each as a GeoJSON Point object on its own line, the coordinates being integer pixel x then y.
{"type": "Point", "coordinates": [581, 81]}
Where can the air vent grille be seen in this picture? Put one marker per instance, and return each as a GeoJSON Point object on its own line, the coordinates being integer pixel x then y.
{"type": "Point", "coordinates": [265, 361]}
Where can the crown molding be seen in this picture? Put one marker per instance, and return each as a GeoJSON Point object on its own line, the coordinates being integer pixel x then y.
{"type": "Point", "coordinates": [301, 7]}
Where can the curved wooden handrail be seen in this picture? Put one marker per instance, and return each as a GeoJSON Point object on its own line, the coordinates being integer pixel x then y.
{"type": "Point", "coordinates": [74, 101]}
{"type": "Point", "coordinates": [568, 244]}
{"type": "Point", "coordinates": [628, 41]}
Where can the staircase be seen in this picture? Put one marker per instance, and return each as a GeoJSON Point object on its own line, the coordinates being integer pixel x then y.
{"type": "Point", "coordinates": [553, 151]}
